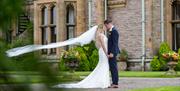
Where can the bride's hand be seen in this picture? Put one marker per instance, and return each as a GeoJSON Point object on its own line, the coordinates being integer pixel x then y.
{"type": "Point", "coordinates": [110, 55]}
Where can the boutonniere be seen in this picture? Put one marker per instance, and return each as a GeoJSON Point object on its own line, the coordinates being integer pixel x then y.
{"type": "Point", "coordinates": [110, 31]}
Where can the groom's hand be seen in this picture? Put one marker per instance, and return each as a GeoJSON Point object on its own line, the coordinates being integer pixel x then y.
{"type": "Point", "coordinates": [111, 55]}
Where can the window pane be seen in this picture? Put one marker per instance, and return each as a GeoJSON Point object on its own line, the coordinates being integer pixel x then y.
{"type": "Point", "coordinates": [44, 39]}
{"type": "Point", "coordinates": [53, 38]}
{"type": "Point", "coordinates": [70, 14]}
{"type": "Point", "coordinates": [53, 34]}
{"type": "Point", "coordinates": [44, 16]}
{"type": "Point", "coordinates": [70, 32]}
{"type": "Point", "coordinates": [176, 36]}
{"type": "Point", "coordinates": [53, 15]}
{"type": "Point", "coordinates": [176, 10]}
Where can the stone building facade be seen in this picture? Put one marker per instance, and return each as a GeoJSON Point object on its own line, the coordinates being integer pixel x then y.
{"type": "Point", "coordinates": [58, 20]}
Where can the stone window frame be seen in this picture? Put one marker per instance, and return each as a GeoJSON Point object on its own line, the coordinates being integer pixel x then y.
{"type": "Point", "coordinates": [73, 5]}
{"type": "Point", "coordinates": [48, 27]}
{"type": "Point", "coordinates": [169, 22]}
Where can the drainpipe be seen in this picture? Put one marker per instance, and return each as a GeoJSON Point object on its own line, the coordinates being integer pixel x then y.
{"type": "Point", "coordinates": [105, 9]}
{"type": "Point", "coordinates": [162, 20]}
{"type": "Point", "coordinates": [89, 13]}
{"type": "Point", "coordinates": [143, 33]}
{"type": "Point", "coordinates": [105, 12]}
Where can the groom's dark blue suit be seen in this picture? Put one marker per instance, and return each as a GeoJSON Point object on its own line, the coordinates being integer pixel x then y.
{"type": "Point", "coordinates": [114, 49]}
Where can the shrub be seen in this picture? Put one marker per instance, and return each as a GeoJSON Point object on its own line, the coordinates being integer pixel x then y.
{"type": "Point", "coordinates": [164, 48]}
{"type": "Point", "coordinates": [123, 56]}
{"type": "Point", "coordinates": [83, 60]}
{"type": "Point", "coordinates": [159, 63]}
{"type": "Point", "coordinates": [88, 58]}
{"type": "Point", "coordinates": [93, 59]}
{"type": "Point", "coordinates": [155, 64]}
{"type": "Point", "coordinates": [163, 64]}
{"type": "Point", "coordinates": [178, 65]}
{"type": "Point", "coordinates": [62, 66]}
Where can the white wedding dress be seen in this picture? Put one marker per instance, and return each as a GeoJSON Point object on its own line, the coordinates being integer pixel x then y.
{"type": "Point", "coordinates": [98, 78]}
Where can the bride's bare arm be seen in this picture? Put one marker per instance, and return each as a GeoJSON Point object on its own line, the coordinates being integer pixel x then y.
{"type": "Point", "coordinates": [103, 45]}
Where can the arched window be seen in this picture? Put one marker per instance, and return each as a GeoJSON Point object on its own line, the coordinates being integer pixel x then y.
{"type": "Point", "coordinates": [176, 24]}
{"type": "Point", "coordinates": [70, 21]}
{"type": "Point", "coordinates": [44, 22]}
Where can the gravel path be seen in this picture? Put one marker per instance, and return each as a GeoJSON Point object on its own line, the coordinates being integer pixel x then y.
{"type": "Point", "coordinates": [126, 84]}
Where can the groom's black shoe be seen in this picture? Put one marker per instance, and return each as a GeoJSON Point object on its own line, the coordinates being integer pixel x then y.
{"type": "Point", "coordinates": [113, 86]}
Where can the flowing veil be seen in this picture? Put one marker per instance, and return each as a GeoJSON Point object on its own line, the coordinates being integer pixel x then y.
{"type": "Point", "coordinates": [85, 38]}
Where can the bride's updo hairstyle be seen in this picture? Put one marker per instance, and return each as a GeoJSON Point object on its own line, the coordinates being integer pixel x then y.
{"type": "Point", "coordinates": [100, 29]}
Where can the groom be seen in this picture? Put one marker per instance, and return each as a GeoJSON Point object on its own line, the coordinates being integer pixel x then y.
{"type": "Point", "coordinates": [113, 50]}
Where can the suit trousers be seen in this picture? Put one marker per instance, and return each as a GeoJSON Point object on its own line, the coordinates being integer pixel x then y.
{"type": "Point", "coordinates": [114, 70]}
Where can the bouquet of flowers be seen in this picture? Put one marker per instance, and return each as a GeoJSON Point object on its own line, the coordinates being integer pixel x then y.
{"type": "Point", "coordinates": [171, 55]}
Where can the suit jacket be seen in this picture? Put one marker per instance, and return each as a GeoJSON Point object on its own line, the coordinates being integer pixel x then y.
{"type": "Point", "coordinates": [113, 42]}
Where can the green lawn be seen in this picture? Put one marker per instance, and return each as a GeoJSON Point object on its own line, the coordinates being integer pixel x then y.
{"type": "Point", "coordinates": [136, 74]}
{"type": "Point", "coordinates": [36, 77]}
{"type": "Point", "coordinates": [168, 88]}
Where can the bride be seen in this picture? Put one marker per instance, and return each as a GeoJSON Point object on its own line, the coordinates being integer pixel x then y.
{"type": "Point", "coordinates": [99, 77]}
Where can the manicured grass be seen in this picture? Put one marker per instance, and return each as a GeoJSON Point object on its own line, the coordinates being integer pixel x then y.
{"type": "Point", "coordinates": [85, 73]}
{"type": "Point", "coordinates": [168, 88]}
{"type": "Point", "coordinates": [145, 74]}
{"type": "Point", "coordinates": [136, 74]}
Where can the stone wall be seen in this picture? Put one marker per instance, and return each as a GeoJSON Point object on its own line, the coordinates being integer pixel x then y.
{"type": "Point", "coordinates": [97, 12]}
{"type": "Point", "coordinates": [156, 25]}
{"type": "Point", "coordinates": [127, 20]}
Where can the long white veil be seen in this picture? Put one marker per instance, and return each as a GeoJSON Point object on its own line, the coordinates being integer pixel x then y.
{"type": "Point", "coordinates": [85, 38]}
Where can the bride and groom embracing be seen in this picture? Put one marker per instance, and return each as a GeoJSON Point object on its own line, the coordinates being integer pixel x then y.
{"type": "Point", "coordinates": [107, 49]}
